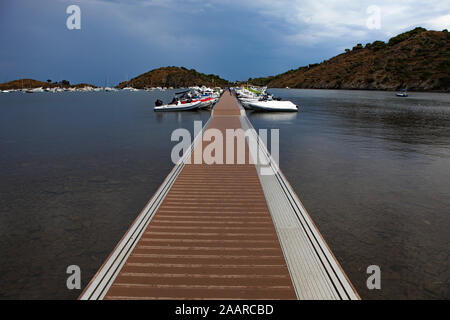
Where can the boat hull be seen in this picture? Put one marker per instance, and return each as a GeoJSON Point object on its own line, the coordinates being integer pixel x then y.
{"type": "Point", "coordinates": [206, 103]}
{"type": "Point", "coordinates": [277, 106]}
{"type": "Point", "coordinates": [178, 107]}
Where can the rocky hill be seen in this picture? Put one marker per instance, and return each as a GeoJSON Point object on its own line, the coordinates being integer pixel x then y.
{"type": "Point", "coordinates": [416, 60]}
{"type": "Point", "coordinates": [24, 83]}
{"type": "Point", "coordinates": [173, 77]}
{"type": "Point", "coordinates": [31, 83]}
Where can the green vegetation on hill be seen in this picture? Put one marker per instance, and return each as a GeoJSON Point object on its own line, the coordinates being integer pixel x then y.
{"type": "Point", "coordinates": [417, 60]}
{"type": "Point", "coordinates": [176, 77]}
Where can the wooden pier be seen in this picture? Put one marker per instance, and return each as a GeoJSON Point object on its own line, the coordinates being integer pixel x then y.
{"type": "Point", "coordinates": [222, 231]}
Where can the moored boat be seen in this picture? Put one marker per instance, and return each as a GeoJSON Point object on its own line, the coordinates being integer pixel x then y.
{"type": "Point", "coordinates": [176, 106]}
{"type": "Point", "coordinates": [206, 102]}
{"type": "Point", "coordinates": [403, 93]}
{"type": "Point", "coordinates": [272, 105]}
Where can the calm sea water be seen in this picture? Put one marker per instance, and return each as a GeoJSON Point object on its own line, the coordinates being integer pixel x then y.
{"type": "Point", "coordinates": [372, 169]}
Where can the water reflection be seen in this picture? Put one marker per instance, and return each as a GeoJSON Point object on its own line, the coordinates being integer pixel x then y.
{"type": "Point", "coordinates": [274, 116]}
{"type": "Point", "coordinates": [181, 117]}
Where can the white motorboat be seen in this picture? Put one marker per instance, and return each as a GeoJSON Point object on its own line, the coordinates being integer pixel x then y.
{"type": "Point", "coordinates": [245, 102]}
{"type": "Point", "coordinates": [34, 90]}
{"type": "Point", "coordinates": [178, 106]}
{"type": "Point", "coordinates": [130, 89]}
{"type": "Point", "coordinates": [403, 93]}
{"type": "Point", "coordinates": [272, 105]}
{"type": "Point", "coordinates": [207, 102]}
{"type": "Point", "coordinates": [86, 89]}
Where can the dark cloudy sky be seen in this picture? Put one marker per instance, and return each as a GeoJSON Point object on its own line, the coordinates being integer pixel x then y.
{"type": "Point", "coordinates": [236, 39]}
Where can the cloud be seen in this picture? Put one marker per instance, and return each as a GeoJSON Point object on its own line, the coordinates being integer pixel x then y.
{"type": "Point", "coordinates": [311, 22]}
{"type": "Point", "coordinates": [233, 38]}
{"type": "Point", "coordinates": [305, 23]}
{"type": "Point", "coordinates": [440, 23]}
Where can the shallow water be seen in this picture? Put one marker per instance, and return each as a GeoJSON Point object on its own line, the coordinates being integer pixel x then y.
{"type": "Point", "coordinates": [372, 169]}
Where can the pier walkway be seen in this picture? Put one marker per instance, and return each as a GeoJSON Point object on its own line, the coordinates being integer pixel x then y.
{"type": "Point", "coordinates": [222, 231]}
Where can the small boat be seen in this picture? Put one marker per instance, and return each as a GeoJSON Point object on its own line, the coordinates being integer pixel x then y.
{"type": "Point", "coordinates": [403, 93]}
{"type": "Point", "coordinates": [206, 102]}
{"type": "Point", "coordinates": [130, 89]}
{"type": "Point", "coordinates": [246, 102]}
{"type": "Point", "coordinates": [176, 106]}
{"type": "Point", "coordinates": [272, 105]}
